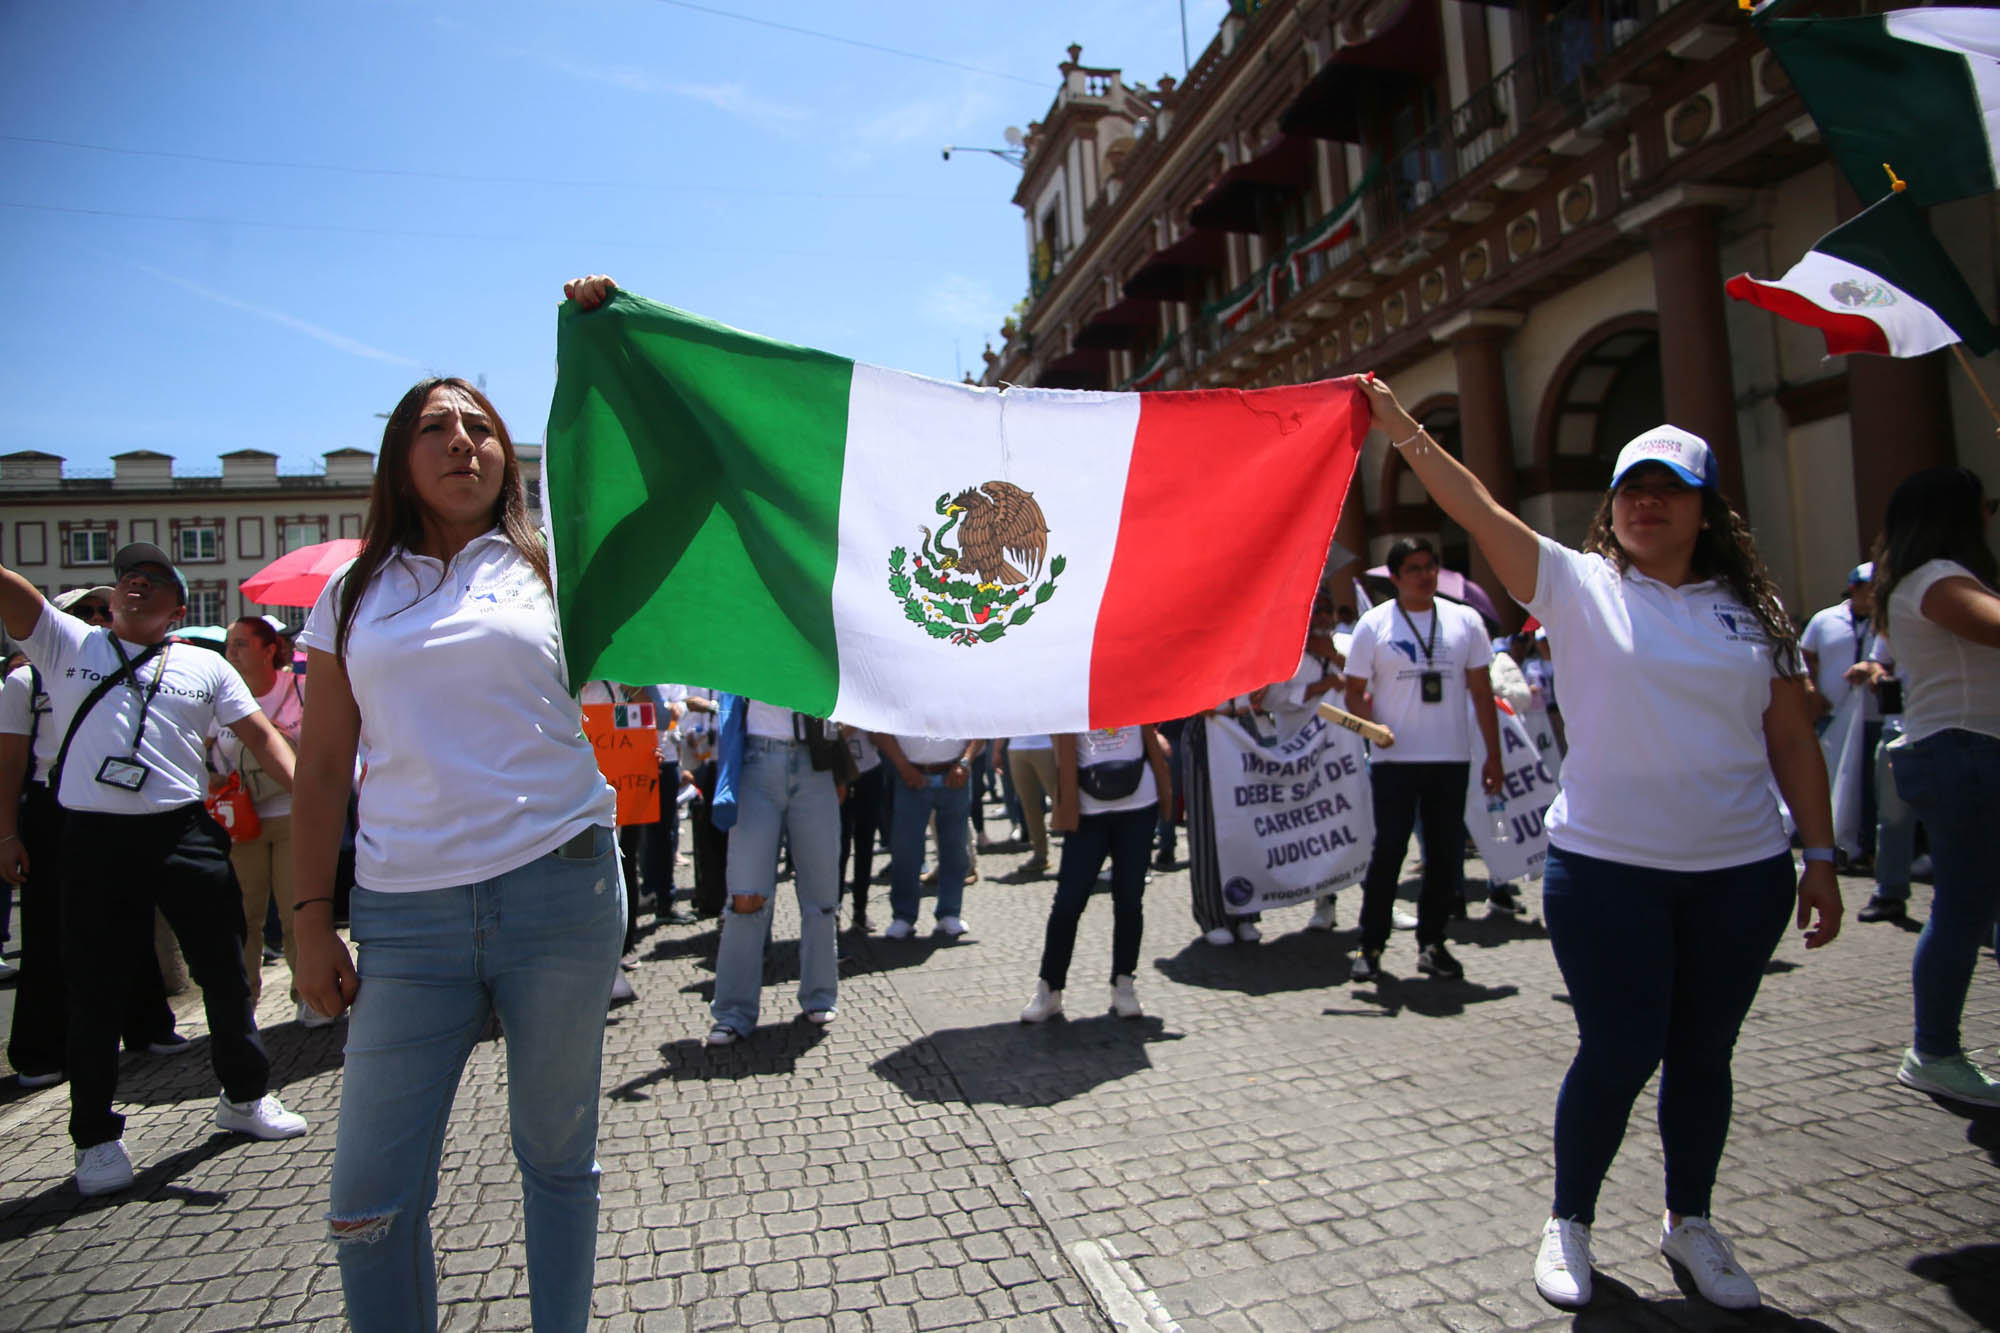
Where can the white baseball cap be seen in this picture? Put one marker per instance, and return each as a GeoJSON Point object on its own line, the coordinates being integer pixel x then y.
{"type": "Point", "coordinates": [1686, 455]}
{"type": "Point", "coordinates": [1861, 573]}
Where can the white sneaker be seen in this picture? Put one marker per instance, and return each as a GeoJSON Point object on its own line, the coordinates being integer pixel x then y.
{"type": "Point", "coordinates": [1046, 1004]}
{"type": "Point", "coordinates": [950, 926]}
{"type": "Point", "coordinates": [1124, 999]}
{"type": "Point", "coordinates": [103, 1168]}
{"type": "Point", "coordinates": [1221, 937]}
{"type": "Point", "coordinates": [820, 1017]}
{"type": "Point", "coordinates": [1322, 917]}
{"type": "Point", "coordinates": [265, 1118]}
{"type": "Point", "coordinates": [1247, 932]}
{"type": "Point", "coordinates": [722, 1036]}
{"type": "Point", "coordinates": [1401, 920]}
{"type": "Point", "coordinates": [48, 1080]}
{"type": "Point", "coordinates": [1562, 1265]}
{"type": "Point", "coordinates": [1711, 1261]}
{"type": "Point", "coordinates": [310, 1017]}
{"type": "Point", "coordinates": [8, 971]}
{"type": "Point", "coordinates": [621, 988]}
{"type": "Point", "coordinates": [898, 929]}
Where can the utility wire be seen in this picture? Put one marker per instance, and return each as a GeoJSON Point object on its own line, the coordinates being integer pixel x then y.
{"type": "Point", "coordinates": [412, 174]}
{"type": "Point", "coordinates": [855, 42]}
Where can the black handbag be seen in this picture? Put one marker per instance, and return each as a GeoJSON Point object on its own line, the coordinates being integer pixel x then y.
{"type": "Point", "coordinates": [1112, 780]}
{"type": "Point", "coordinates": [827, 747]}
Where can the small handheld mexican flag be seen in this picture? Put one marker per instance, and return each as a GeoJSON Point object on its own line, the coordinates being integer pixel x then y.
{"type": "Point", "coordinates": [1880, 283]}
{"type": "Point", "coordinates": [921, 557]}
{"type": "Point", "coordinates": [1916, 87]}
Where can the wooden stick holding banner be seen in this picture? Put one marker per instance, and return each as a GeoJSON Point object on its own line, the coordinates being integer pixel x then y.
{"type": "Point", "coordinates": [1373, 732]}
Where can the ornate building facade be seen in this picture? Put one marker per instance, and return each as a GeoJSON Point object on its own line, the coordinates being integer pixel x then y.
{"type": "Point", "coordinates": [1523, 214]}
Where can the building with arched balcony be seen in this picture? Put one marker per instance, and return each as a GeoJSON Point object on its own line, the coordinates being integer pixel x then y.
{"type": "Point", "coordinates": [1523, 213]}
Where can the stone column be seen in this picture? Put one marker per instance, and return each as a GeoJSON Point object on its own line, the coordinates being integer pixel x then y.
{"type": "Point", "coordinates": [1478, 340]}
{"type": "Point", "coordinates": [1680, 227]}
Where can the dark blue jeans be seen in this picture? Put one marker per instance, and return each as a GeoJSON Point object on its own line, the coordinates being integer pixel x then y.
{"type": "Point", "coordinates": [1661, 967]}
{"type": "Point", "coordinates": [1400, 791]}
{"type": "Point", "coordinates": [911, 821]}
{"type": "Point", "coordinates": [1952, 780]}
{"type": "Point", "coordinates": [1125, 836]}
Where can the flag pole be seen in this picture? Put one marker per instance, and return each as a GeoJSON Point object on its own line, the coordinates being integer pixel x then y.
{"type": "Point", "coordinates": [1958, 349]}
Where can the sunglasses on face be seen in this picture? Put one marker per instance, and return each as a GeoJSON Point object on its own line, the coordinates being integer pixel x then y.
{"type": "Point", "coordinates": [94, 611]}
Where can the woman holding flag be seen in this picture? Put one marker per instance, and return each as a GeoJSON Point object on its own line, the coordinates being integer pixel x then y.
{"type": "Point", "coordinates": [1681, 661]}
{"type": "Point", "coordinates": [487, 880]}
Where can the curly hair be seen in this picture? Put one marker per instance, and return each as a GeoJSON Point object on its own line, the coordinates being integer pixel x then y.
{"type": "Point", "coordinates": [1724, 551]}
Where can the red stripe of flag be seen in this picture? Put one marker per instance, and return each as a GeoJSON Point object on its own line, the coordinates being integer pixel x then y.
{"type": "Point", "coordinates": [1844, 333]}
{"type": "Point", "coordinates": [1230, 505]}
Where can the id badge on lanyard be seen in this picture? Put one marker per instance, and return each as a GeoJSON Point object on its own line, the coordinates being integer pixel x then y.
{"type": "Point", "coordinates": [1430, 684]}
{"type": "Point", "coordinates": [128, 772]}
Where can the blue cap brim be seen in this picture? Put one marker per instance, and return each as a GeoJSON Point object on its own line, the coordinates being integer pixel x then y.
{"type": "Point", "coordinates": [1690, 478]}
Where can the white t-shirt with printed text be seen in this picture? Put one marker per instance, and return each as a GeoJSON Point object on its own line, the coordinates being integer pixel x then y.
{"type": "Point", "coordinates": [19, 704]}
{"type": "Point", "coordinates": [198, 690]}
{"type": "Point", "coordinates": [1389, 653]}
{"type": "Point", "coordinates": [1111, 746]}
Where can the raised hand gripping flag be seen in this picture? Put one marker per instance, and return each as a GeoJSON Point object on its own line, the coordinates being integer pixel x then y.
{"type": "Point", "coordinates": [921, 557]}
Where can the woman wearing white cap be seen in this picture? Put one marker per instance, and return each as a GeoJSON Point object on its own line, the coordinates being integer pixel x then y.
{"type": "Point", "coordinates": [1678, 660]}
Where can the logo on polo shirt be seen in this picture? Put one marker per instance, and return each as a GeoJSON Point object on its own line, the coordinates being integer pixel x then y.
{"type": "Point", "coordinates": [1405, 647]}
{"type": "Point", "coordinates": [1738, 625]}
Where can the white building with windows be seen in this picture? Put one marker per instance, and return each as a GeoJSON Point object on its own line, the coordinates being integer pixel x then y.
{"type": "Point", "coordinates": [60, 531]}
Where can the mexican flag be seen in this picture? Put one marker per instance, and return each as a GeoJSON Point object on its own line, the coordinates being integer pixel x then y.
{"type": "Point", "coordinates": [922, 557]}
{"type": "Point", "coordinates": [1918, 89]}
{"type": "Point", "coordinates": [1880, 283]}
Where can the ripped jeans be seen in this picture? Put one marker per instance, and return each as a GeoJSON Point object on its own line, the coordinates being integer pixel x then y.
{"type": "Point", "coordinates": [779, 793]}
{"type": "Point", "coordinates": [537, 946]}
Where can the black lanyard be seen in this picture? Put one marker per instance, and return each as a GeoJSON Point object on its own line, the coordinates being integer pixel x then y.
{"type": "Point", "coordinates": [130, 672]}
{"type": "Point", "coordinates": [1427, 647]}
{"type": "Point", "coordinates": [1857, 624]}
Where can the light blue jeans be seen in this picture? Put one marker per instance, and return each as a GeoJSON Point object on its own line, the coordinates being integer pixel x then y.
{"type": "Point", "coordinates": [779, 794]}
{"type": "Point", "coordinates": [1952, 780]}
{"type": "Point", "coordinates": [953, 806]}
{"type": "Point", "coordinates": [538, 946]}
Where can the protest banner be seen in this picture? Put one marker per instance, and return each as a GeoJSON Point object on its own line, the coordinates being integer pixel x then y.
{"type": "Point", "coordinates": [1294, 816]}
{"type": "Point", "coordinates": [1842, 744]}
{"type": "Point", "coordinates": [1542, 731]}
{"type": "Point", "coordinates": [626, 742]}
{"type": "Point", "coordinates": [1528, 786]}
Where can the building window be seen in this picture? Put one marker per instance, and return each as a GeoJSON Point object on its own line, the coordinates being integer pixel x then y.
{"type": "Point", "coordinates": [350, 525]}
{"type": "Point", "coordinates": [250, 538]}
{"type": "Point", "coordinates": [145, 530]}
{"type": "Point", "coordinates": [206, 601]}
{"type": "Point", "coordinates": [89, 546]}
{"type": "Point", "coordinates": [296, 532]}
{"type": "Point", "coordinates": [197, 543]}
{"type": "Point", "coordinates": [31, 543]}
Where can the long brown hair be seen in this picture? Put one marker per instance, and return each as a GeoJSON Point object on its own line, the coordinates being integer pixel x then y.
{"type": "Point", "coordinates": [1724, 551]}
{"type": "Point", "coordinates": [1936, 514]}
{"type": "Point", "coordinates": [396, 518]}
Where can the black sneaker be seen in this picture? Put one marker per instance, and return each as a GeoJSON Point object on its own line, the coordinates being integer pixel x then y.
{"type": "Point", "coordinates": [1436, 960]}
{"type": "Point", "coordinates": [1503, 901]}
{"type": "Point", "coordinates": [1367, 965]}
{"type": "Point", "coordinates": [1879, 908]}
{"type": "Point", "coordinates": [1458, 908]}
{"type": "Point", "coordinates": [1163, 861]}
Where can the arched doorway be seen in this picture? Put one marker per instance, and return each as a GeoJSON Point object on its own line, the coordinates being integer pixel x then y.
{"type": "Point", "coordinates": [1607, 390]}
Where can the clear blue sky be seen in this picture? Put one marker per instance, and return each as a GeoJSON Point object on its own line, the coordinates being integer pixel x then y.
{"type": "Point", "coordinates": [776, 180]}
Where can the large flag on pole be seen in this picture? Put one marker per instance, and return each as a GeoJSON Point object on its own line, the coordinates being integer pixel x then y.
{"type": "Point", "coordinates": [1917, 88]}
{"type": "Point", "coordinates": [923, 557]}
{"type": "Point", "coordinates": [1879, 282]}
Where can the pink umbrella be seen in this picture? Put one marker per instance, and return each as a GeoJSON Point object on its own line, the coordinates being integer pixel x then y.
{"type": "Point", "coordinates": [297, 578]}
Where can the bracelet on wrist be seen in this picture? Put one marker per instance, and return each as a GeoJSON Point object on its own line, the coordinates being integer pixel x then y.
{"type": "Point", "coordinates": [1404, 444]}
{"type": "Point", "coordinates": [1817, 854]}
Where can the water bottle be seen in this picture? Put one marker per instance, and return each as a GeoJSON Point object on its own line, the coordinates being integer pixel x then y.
{"type": "Point", "coordinates": [1496, 818]}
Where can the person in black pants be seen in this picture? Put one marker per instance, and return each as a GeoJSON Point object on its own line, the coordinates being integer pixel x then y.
{"type": "Point", "coordinates": [130, 774]}
{"type": "Point", "coordinates": [860, 814]}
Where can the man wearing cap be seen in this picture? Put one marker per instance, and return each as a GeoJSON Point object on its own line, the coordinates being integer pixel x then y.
{"type": "Point", "coordinates": [130, 774]}
{"type": "Point", "coordinates": [1836, 642]}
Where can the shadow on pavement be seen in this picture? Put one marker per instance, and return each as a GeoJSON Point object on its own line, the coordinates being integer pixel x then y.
{"type": "Point", "coordinates": [1495, 929]}
{"type": "Point", "coordinates": [1971, 1275]}
{"type": "Point", "coordinates": [1424, 996]}
{"type": "Point", "coordinates": [1306, 960]}
{"type": "Point", "coordinates": [1616, 1308]}
{"type": "Point", "coordinates": [58, 1203]}
{"type": "Point", "coordinates": [1021, 1064]}
{"type": "Point", "coordinates": [774, 1048]}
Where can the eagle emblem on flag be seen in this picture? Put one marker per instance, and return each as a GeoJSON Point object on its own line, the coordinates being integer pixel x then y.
{"type": "Point", "coordinates": [984, 571]}
{"type": "Point", "coordinates": [1854, 294]}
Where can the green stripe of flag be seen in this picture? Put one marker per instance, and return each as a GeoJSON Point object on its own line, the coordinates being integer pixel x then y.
{"type": "Point", "coordinates": [1878, 98]}
{"type": "Point", "coordinates": [695, 466]}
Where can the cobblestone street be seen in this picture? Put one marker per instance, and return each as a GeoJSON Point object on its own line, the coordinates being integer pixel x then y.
{"type": "Point", "coordinates": [1271, 1148]}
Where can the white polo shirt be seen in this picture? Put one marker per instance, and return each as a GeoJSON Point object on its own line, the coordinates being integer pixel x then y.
{"type": "Point", "coordinates": [18, 706]}
{"type": "Point", "coordinates": [1664, 695]}
{"type": "Point", "coordinates": [198, 689]}
{"type": "Point", "coordinates": [1389, 652]}
{"type": "Point", "coordinates": [930, 749]}
{"type": "Point", "coordinates": [477, 761]}
{"type": "Point", "coordinates": [1949, 682]}
{"type": "Point", "coordinates": [1109, 746]}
